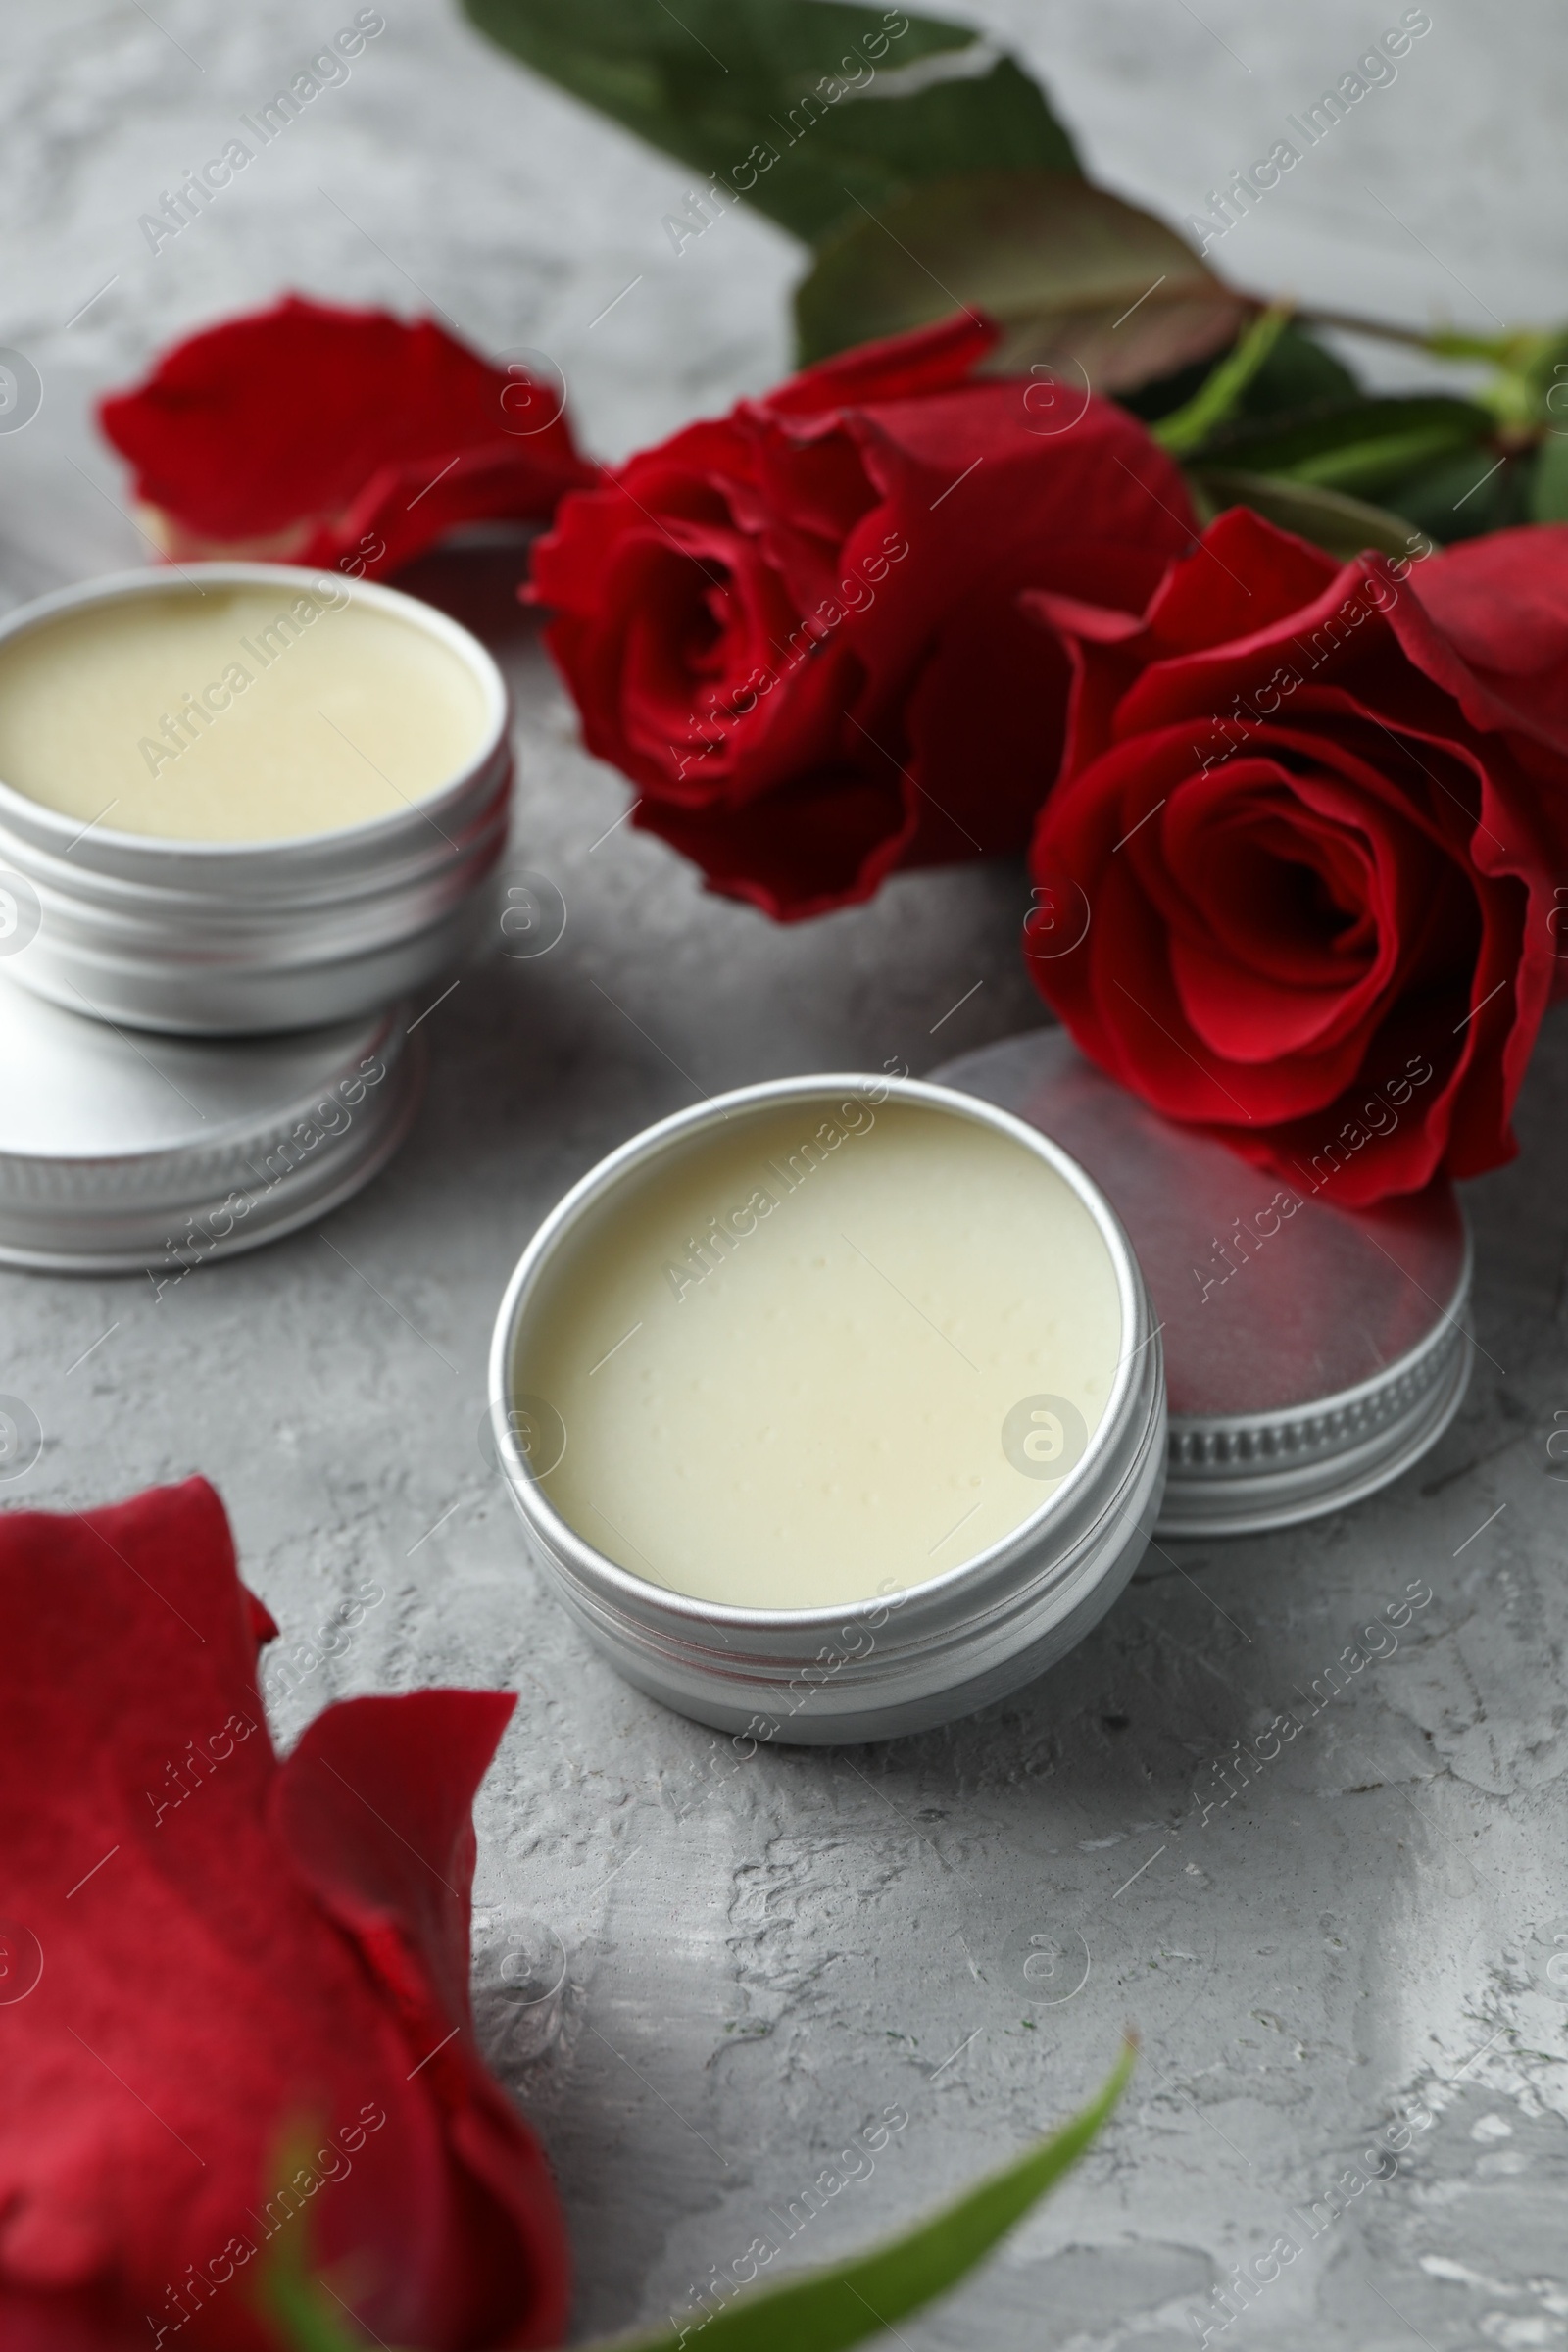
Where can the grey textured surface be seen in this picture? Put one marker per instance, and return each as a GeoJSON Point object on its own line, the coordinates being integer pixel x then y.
{"type": "Point", "coordinates": [763, 1955]}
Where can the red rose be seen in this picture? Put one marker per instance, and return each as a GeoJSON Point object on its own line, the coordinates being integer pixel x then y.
{"type": "Point", "coordinates": [1297, 879]}
{"type": "Point", "coordinates": [796, 628]}
{"type": "Point", "coordinates": [209, 1959]}
{"type": "Point", "coordinates": [307, 434]}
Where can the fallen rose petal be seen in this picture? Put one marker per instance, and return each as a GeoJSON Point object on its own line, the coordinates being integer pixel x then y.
{"type": "Point", "coordinates": [335, 438]}
{"type": "Point", "coordinates": [239, 1957]}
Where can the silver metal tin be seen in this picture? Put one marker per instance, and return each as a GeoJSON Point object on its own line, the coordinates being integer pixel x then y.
{"type": "Point", "coordinates": [945, 1645]}
{"type": "Point", "coordinates": [1312, 1353]}
{"type": "Point", "coordinates": [236, 938]}
{"type": "Point", "coordinates": [122, 1151]}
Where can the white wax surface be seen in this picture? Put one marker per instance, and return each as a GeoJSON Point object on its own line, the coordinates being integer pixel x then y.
{"type": "Point", "coordinates": [292, 714]}
{"type": "Point", "coordinates": [819, 1417]}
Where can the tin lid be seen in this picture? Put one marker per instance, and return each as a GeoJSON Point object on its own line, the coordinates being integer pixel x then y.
{"type": "Point", "coordinates": [120, 1151]}
{"type": "Point", "coordinates": [1312, 1353]}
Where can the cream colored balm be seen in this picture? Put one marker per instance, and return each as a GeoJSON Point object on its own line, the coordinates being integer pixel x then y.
{"type": "Point", "coordinates": [235, 714]}
{"type": "Point", "coordinates": [827, 1353]}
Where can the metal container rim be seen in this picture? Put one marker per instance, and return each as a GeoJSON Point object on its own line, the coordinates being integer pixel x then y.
{"type": "Point", "coordinates": [174, 579]}
{"type": "Point", "coordinates": [1265, 1503]}
{"type": "Point", "coordinates": [649, 1144]}
{"type": "Point", "coordinates": [385, 1030]}
{"type": "Point", "coordinates": [1441, 1334]}
{"type": "Point", "coordinates": [299, 1202]}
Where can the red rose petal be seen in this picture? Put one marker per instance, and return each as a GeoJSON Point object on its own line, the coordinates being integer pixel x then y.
{"type": "Point", "coordinates": [376, 1806]}
{"type": "Point", "coordinates": [927, 360]}
{"type": "Point", "coordinates": [822, 842]}
{"type": "Point", "coordinates": [302, 430]}
{"type": "Point", "coordinates": [1503, 602]}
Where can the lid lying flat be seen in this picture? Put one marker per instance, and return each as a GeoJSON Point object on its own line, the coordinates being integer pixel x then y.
{"type": "Point", "coordinates": [119, 1151]}
{"type": "Point", "coordinates": [1311, 1352]}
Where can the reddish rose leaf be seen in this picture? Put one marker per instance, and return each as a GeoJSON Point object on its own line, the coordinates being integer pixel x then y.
{"type": "Point", "coordinates": [1083, 282]}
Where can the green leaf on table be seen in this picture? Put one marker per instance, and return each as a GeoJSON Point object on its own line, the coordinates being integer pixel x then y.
{"type": "Point", "coordinates": [1080, 281]}
{"type": "Point", "coordinates": [821, 2311]}
{"type": "Point", "coordinates": [825, 2311]}
{"type": "Point", "coordinates": [1362, 447]}
{"type": "Point", "coordinates": [808, 109]}
{"type": "Point", "coordinates": [1342, 527]}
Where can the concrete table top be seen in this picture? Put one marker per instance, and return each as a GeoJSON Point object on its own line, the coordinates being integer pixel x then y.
{"type": "Point", "coordinates": [1342, 1959]}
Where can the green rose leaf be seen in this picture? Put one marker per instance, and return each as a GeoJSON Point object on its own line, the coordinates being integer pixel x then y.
{"type": "Point", "coordinates": [806, 108]}
{"type": "Point", "coordinates": [1082, 282]}
{"type": "Point", "coordinates": [1528, 387]}
{"type": "Point", "coordinates": [1223, 392]}
{"type": "Point", "coordinates": [1296, 379]}
{"type": "Point", "coordinates": [1363, 446]}
{"type": "Point", "coordinates": [1479, 490]}
{"type": "Point", "coordinates": [827, 2310]}
{"type": "Point", "coordinates": [1549, 490]}
{"type": "Point", "coordinates": [1298, 374]}
{"type": "Point", "coordinates": [1342, 527]}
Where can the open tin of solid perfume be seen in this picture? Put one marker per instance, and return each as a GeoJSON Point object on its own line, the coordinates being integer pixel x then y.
{"type": "Point", "coordinates": [835, 1406]}
{"type": "Point", "coordinates": [122, 1152]}
{"type": "Point", "coordinates": [238, 798]}
{"type": "Point", "coordinates": [1312, 1353]}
